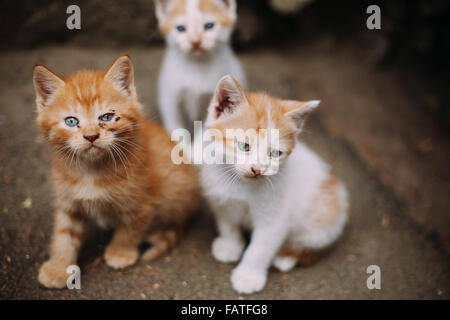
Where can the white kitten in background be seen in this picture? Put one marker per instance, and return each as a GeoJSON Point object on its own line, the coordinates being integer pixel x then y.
{"type": "Point", "coordinates": [198, 54]}
{"type": "Point", "coordinates": [293, 212]}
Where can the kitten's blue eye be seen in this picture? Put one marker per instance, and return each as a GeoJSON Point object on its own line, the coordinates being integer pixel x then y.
{"type": "Point", "coordinates": [209, 25]}
{"type": "Point", "coordinates": [71, 121]}
{"type": "Point", "coordinates": [276, 153]}
{"type": "Point", "coordinates": [107, 117]}
{"type": "Point", "coordinates": [181, 28]}
{"type": "Point", "coordinates": [244, 146]}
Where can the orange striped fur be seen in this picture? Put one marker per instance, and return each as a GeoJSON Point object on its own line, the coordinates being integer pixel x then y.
{"type": "Point", "coordinates": [123, 179]}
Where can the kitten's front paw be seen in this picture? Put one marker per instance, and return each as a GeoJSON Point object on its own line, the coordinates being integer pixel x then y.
{"type": "Point", "coordinates": [226, 251]}
{"type": "Point", "coordinates": [248, 280]}
{"type": "Point", "coordinates": [53, 275]}
{"type": "Point", "coordinates": [118, 258]}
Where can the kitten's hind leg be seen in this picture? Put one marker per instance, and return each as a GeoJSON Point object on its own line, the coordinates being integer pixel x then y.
{"type": "Point", "coordinates": [327, 216]}
{"type": "Point", "coordinates": [123, 250]}
{"type": "Point", "coordinates": [161, 242]}
{"type": "Point", "coordinates": [284, 263]}
{"type": "Point", "coordinates": [290, 255]}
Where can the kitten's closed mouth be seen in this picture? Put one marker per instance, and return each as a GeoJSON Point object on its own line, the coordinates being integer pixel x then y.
{"type": "Point", "coordinates": [92, 147]}
{"type": "Point", "coordinates": [252, 177]}
{"type": "Point", "coordinates": [198, 51]}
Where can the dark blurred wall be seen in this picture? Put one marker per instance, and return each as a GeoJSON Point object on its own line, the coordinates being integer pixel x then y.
{"type": "Point", "coordinates": [418, 27]}
{"type": "Point", "coordinates": [103, 23]}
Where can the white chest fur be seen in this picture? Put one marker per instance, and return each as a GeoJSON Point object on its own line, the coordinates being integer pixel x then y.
{"type": "Point", "coordinates": [184, 81]}
{"type": "Point", "coordinates": [86, 189]}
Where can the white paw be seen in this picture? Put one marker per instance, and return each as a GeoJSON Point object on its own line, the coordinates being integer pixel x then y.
{"type": "Point", "coordinates": [120, 258]}
{"type": "Point", "coordinates": [53, 275]}
{"type": "Point", "coordinates": [226, 251]}
{"type": "Point", "coordinates": [248, 280]}
{"type": "Point", "coordinates": [284, 264]}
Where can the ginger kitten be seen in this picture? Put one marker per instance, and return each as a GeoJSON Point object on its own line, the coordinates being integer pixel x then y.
{"type": "Point", "coordinates": [110, 165]}
{"type": "Point", "coordinates": [198, 54]}
{"type": "Point", "coordinates": [290, 201]}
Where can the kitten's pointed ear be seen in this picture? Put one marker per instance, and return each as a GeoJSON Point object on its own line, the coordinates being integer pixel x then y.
{"type": "Point", "coordinates": [46, 84]}
{"type": "Point", "coordinates": [230, 4]}
{"type": "Point", "coordinates": [121, 74]}
{"type": "Point", "coordinates": [299, 111]}
{"type": "Point", "coordinates": [228, 97]}
{"type": "Point", "coordinates": [161, 7]}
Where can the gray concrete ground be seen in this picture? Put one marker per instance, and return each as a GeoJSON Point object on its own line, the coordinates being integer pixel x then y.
{"type": "Point", "coordinates": [380, 232]}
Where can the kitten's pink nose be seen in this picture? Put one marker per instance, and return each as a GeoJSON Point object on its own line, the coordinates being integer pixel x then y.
{"type": "Point", "coordinates": [196, 45]}
{"type": "Point", "coordinates": [256, 172]}
{"type": "Point", "coordinates": [92, 138]}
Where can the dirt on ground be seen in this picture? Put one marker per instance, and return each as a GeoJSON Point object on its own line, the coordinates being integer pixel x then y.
{"type": "Point", "coordinates": [392, 157]}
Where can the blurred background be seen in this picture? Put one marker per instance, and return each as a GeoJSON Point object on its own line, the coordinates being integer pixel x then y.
{"type": "Point", "coordinates": [384, 125]}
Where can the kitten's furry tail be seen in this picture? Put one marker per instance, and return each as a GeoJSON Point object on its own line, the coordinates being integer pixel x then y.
{"type": "Point", "coordinates": [161, 242]}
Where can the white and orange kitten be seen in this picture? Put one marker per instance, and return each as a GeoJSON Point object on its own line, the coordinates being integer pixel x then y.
{"type": "Point", "coordinates": [292, 212]}
{"type": "Point", "coordinates": [198, 54]}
